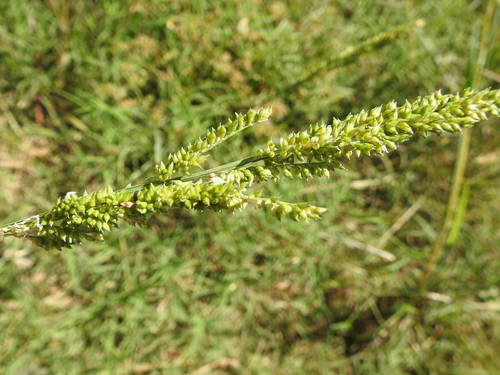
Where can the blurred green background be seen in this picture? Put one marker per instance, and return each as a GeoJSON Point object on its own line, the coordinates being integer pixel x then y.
{"type": "Point", "coordinates": [94, 93]}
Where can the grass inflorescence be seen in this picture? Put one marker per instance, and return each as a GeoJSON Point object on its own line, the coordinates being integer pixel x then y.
{"type": "Point", "coordinates": [313, 152]}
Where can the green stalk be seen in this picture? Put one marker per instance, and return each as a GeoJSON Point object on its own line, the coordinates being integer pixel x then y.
{"type": "Point", "coordinates": [453, 218]}
{"type": "Point", "coordinates": [349, 55]}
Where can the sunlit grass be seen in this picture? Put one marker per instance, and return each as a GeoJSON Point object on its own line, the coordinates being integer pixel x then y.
{"type": "Point", "coordinates": [93, 95]}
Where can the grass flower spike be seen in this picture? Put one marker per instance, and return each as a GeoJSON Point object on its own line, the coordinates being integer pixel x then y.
{"type": "Point", "coordinates": [316, 151]}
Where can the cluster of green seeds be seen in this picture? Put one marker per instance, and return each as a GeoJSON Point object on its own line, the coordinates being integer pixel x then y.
{"type": "Point", "coordinates": [195, 154]}
{"type": "Point", "coordinates": [384, 128]}
{"type": "Point", "coordinates": [314, 152]}
{"type": "Point", "coordinates": [74, 219]}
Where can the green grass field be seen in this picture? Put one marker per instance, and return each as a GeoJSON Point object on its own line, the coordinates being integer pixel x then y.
{"type": "Point", "coordinates": [95, 93]}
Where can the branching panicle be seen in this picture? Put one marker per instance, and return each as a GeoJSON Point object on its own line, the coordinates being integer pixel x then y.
{"type": "Point", "coordinates": [194, 155]}
{"type": "Point", "coordinates": [314, 152]}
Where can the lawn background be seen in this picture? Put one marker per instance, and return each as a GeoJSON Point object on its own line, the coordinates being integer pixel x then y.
{"type": "Point", "coordinates": [95, 93]}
